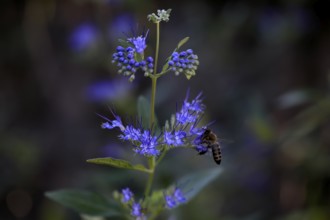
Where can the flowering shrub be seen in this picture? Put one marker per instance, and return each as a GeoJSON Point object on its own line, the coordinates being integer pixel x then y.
{"type": "Point", "coordinates": [183, 130]}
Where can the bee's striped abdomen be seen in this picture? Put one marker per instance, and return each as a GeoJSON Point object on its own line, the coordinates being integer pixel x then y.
{"type": "Point", "coordinates": [216, 151]}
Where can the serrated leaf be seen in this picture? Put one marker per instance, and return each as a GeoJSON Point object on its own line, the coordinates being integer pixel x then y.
{"type": "Point", "coordinates": [193, 183]}
{"type": "Point", "coordinates": [143, 109]}
{"type": "Point", "coordinates": [85, 202]}
{"type": "Point", "coordinates": [109, 161]}
{"type": "Point", "coordinates": [182, 42]}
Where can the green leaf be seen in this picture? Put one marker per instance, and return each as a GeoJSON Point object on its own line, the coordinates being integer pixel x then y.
{"type": "Point", "coordinates": [118, 163]}
{"type": "Point", "coordinates": [192, 184]}
{"type": "Point", "coordinates": [139, 57]}
{"type": "Point", "coordinates": [155, 203]}
{"type": "Point", "coordinates": [143, 108]}
{"type": "Point", "coordinates": [85, 202]}
{"type": "Point", "coordinates": [182, 42]}
{"type": "Point", "coordinates": [166, 65]}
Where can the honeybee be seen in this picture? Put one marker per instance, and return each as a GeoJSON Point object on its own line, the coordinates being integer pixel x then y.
{"type": "Point", "coordinates": [211, 141]}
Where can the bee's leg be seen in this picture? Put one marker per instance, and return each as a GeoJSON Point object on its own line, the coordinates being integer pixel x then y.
{"type": "Point", "coordinates": [202, 152]}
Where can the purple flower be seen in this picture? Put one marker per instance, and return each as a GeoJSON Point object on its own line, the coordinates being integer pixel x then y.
{"type": "Point", "coordinates": [168, 138]}
{"type": "Point", "coordinates": [176, 139]}
{"type": "Point", "coordinates": [179, 137]}
{"type": "Point", "coordinates": [190, 112]}
{"type": "Point", "coordinates": [178, 195]}
{"type": "Point", "coordinates": [127, 195]}
{"type": "Point", "coordinates": [174, 199]}
{"type": "Point", "coordinates": [136, 210]}
{"type": "Point", "coordinates": [139, 42]}
{"type": "Point", "coordinates": [148, 144]}
{"type": "Point", "coordinates": [130, 133]}
{"type": "Point", "coordinates": [195, 105]}
{"type": "Point", "coordinates": [185, 131]}
{"type": "Point", "coordinates": [185, 117]}
{"type": "Point", "coordinates": [170, 202]}
{"type": "Point", "coordinates": [110, 124]}
{"type": "Point", "coordinates": [143, 141]}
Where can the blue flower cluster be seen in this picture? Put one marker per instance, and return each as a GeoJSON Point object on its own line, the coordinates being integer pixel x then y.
{"type": "Point", "coordinates": [183, 132]}
{"type": "Point", "coordinates": [136, 209]}
{"type": "Point", "coordinates": [174, 199]}
{"type": "Point", "coordinates": [184, 62]}
{"type": "Point", "coordinates": [144, 142]}
{"type": "Point", "coordinates": [185, 125]}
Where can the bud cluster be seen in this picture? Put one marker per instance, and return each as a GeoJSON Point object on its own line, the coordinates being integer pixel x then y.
{"type": "Point", "coordinates": [185, 62]}
{"type": "Point", "coordinates": [162, 15]}
{"type": "Point", "coordinates": [128, 64]}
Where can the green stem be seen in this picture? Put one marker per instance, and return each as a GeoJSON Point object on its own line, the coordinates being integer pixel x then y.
{"type": "Point", "coordinates": [161, 157]}
{"type": "Point", "coordinates": [152, 160]}
{"type": "Point", "coordinates": [154, 81]}
{"type": "Point", "coordinates": [157, 49]}
{"type": "Point", "coordinates": [152, 102]}
{"type": "Point", "coordinates": [151, 176]}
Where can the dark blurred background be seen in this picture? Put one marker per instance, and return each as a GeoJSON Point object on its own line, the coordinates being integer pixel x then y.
{"type": "Point", "coordinates": [264, 71]}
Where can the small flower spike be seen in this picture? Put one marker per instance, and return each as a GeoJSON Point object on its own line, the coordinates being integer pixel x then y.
{"type": "Point", "coordinates": [162, 15]}
{"type": "Point", "coordinates": [190, 112]}
{"type": "Point", "coordinates": [127, 195]}
{"type": "Point", "coordinates": [184, 129]}
{"type": "Point", "coordinates": [185, 62]}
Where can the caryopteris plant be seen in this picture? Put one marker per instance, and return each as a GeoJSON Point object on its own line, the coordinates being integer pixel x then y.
{"type": "Point", "coordinates": [149, 140]}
